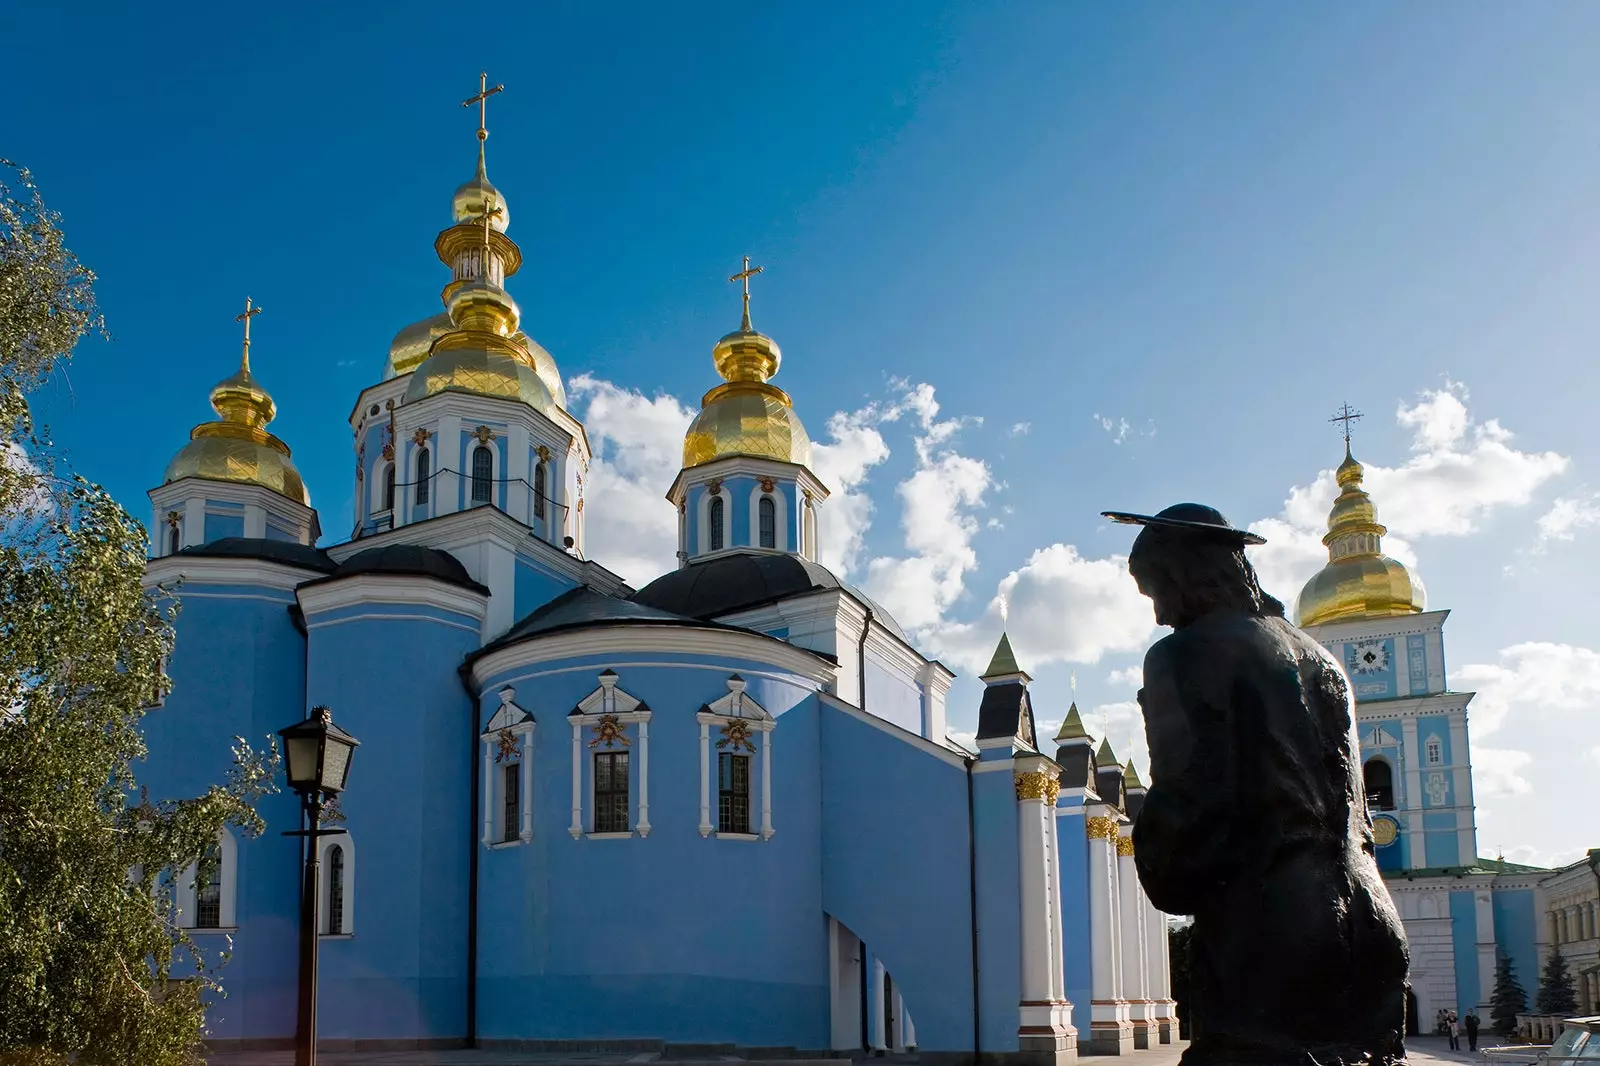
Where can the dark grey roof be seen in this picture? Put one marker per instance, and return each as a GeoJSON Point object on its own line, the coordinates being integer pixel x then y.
{"type": "Point", "coordinates": [1006, 712]}
{"type": "Point", "coordinates": [410, 559]}
{"type": "Point", "coordinates": [732, 582]}
{"type": "Point", "coordinates": [277, 551]}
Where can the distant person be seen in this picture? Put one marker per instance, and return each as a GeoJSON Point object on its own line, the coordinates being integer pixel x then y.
{"type": "Point", "coordinates": [1453, 1029]}
{"type": "Point", "coordinates": [1472, 1030]}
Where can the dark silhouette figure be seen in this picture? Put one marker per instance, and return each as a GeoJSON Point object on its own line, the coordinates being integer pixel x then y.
{"type": "Point", "coordinates": [1255, 822]}
{"type": "Point", "coordinates": [1471, 1024]}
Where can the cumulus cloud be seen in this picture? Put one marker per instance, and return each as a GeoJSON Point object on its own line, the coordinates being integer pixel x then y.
{"type": "Point", "coordinates": [1566, 516]}
{"type": "Point", "coordinates": [638, 450]}
{"type": "Point", "coordinates": [856, 446]}
{"type": "Point", "coordinates": [1460, 471]}
{"type": "Point", "coordinates": [937, 504]}
{"type": "Point", "coordinates": [1533, 678]}
{"type": "Point", "coordinates": [1499, 772]}
{"type": "Point", "coordinates": [1128, 677]}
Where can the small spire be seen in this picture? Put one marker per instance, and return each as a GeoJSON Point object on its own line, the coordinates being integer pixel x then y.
{"type": "Point", "coordinates": [1004, 660]}
{"type": "Point", "coordinates": [1106, 757]}
{"type": "Point", "coordinates": [1072, 727]}
{"type": "Point", "coordinates": [1130, 776]}
{"type": "Point", "coordinates": [745, 275]}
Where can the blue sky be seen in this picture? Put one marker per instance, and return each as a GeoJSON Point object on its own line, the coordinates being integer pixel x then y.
{"type": "Point", "coordinates": [1211, 223]}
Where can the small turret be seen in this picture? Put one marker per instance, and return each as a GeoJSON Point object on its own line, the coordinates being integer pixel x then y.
{"type": "Point", "coordinates": [1005, 717]}
{"type": "Point", "coordinates": [1134, 789]}
{"type": "Point", "coordinates": [1075, 751]}
{"type": "Point", "coordinates": [1108, 778]}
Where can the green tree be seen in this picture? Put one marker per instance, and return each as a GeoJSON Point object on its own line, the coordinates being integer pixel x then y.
{"type": "Point", "coordinates": [1556, 992]}
{"type": "Point", "coordinates": [93, 964]}
{"type": "Point", "coordinates": [1178, 943]}
{"type": "Point", "coordinates": [1509, 999]}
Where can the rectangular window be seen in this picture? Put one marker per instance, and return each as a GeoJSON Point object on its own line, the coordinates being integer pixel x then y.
{"type": "Point", "coordinates": [512, 814]}
{"type": "Point", "coordinates": [733, 793]}
{"type": "Point", "coordinates": [208, 890]}
{"type": "Point", "coordinates": [1435, 753]}
{"type": "Point", "coordinates": [611, 792]}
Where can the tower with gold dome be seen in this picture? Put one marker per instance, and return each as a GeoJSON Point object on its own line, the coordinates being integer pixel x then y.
{"type": "Point", "coordinates": [233, 478]}
{"type": "Point", "coordinates": [746, 482]}
{"type": "Point", "coordinates": [1370, 612]}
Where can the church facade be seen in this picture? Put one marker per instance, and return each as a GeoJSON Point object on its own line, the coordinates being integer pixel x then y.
{"type": "Point", "coordinates": [720, 809]}
{"type": "Point", "coordinates": [1460, 911]}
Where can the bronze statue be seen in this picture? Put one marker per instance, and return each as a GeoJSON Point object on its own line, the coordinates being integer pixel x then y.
{"type": "Point", "coordinates": [1255, 822]}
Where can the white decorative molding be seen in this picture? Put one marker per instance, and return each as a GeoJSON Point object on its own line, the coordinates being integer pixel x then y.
{"type": "Point", "coordinates": [745, 466]}
{"type": "Point", "coordinates": [173, 570]}
{"type": "Point", "coordinates": [509, 734]}
{"type": "Point", "coordinates": [227, 880]}
{"type": "Point", "coordinates": [737, 715]}
{"type": "Point", "coordinates": [780, 517]}
{"type": "Point", "coordinates": [408, 589]}
{"type": "Point", "coordinates": [347, 893]}
{"type": "Point", "coordinates": [609, 708]}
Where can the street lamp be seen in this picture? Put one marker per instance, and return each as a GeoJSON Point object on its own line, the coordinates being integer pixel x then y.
{"type": "Point", "coordinates": [317, 762]}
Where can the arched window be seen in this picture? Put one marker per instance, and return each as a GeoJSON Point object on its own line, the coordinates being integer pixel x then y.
{"type": "Point", "coordinates": [769, 522]}
{"type": "Point", "coordinates": [716, 523]}
{"type": "Point", "coordinates": [482, 474]}
{"type": "Point", "coordinates": [205, 891]}
{"type": "Point", "coordinates": [174, 539]}
{"type": "Point", "coordinates": [538, 489]}
{"type": "Point", "coordinates": [208, 890]}
{"type": "Point", "coordinates": [335, 901]}
{"type": "Point", "coordinates": [388, 487]}
{"type": "Point", "coordinates": [1378, 780]}
{"type": "Point", "coordinates": [422, 475]}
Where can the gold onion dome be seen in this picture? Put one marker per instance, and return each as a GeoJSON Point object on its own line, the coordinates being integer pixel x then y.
{"type": "Point", "coordinates": [746, 415]}
{"type": "Point", "coordinates": [238, 448]}
{"type": "Point", "coordinates": [1359, 580]}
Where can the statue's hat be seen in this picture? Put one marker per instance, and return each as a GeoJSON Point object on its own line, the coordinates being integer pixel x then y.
{"type": "Point", "coordinates": [1193, 517]}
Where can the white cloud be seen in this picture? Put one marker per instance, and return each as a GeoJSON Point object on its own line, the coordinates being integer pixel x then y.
{"type": "Point", "coordinates": [843, 465]}
{"type": "Point", "coordinates": [1498, 772]}
{"type": "Point", "coordinates": [1532, 678]}
{"type": "Point", "coordinates": [937, 502]}
{"type": "Point", "coordinates": [1020, 429]}
{"type": "Point", "coordinates": [1594, 755]}
{"type": "Point", "coordinates": [1123, 725]}
{"type": "Point", "coordinates": [1566, 516]}
{"type": "Point", "coordinates": [1128, 676]}
{"type": "Point", "coordinates": [1118, 428]}
{"type": "Point", "coordinates": [1460, 472]}
{"type": "Point", "coordinates": [638, 450]}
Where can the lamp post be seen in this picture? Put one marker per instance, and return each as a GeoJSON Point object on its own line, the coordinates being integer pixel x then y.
{"type": "Point", "coordinates": [317, 760]}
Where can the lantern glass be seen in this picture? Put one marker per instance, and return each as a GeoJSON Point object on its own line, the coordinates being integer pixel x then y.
{"type": "Point", "coordinates": [301, 754]}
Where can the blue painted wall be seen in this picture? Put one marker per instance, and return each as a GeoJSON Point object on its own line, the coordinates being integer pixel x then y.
{"type": "Point", "coordinates": [702, 939]}
{"type": "Point", "coordinates": [999, 920]}
{"type": "Point", "coordinates": [1464, 941]}
{"type": "Point", "coordinates": [238, 668]}
{"type": "Point", "coordinates": [403, 973]}
{"type": "Point", "coordinates": [535, 586]}
{"type": "Point", "coordinates": [888, 806]}
{"type": "Point", "coordinates": [219, 526]}
{"type": "Point", "coordinates": [1516, 932]}
{"type": "Point", "coordinates": [1076, 945]}
{"type": "Point", "coordinates": [1443, 840]}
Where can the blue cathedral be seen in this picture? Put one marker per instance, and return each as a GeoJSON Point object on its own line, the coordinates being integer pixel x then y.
{"type": "Point", "coordinates": [721, 810]}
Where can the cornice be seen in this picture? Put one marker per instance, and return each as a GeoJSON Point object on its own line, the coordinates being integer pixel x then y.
{"type": "Point", "coordinates": [469, 407]}
{"type": "Point", "coordinates": [177, 570]}
{"type": "Point", "coordinates": [1368, 628]}
{"type": "Point", "coordinates": [734, 465]}
{"type": "Point", "coordinates": [408, 589]}
{"type": "Point", "coordinates": [632, 640]}
{"type": "Point", "coordinates": [231, 492]}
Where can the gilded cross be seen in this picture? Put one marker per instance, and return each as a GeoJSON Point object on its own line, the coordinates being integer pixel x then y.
{"type": "Point", "coordinates": [745, 275]}
{"type": "Point", "coordinates": [250, 311]}
{"type": "Point", "coordinates": [1347, 415]}
{"type": "Point", "coordinates": [482, 100]}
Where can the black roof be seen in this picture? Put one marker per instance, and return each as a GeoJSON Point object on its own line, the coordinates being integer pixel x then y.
{"type": "Point", "coordinates": [287, 552]}
{"type": "Point", "coordinates": [732, 582]}
{"type": "Point", "coordinates": [412, 559]}
{"type": "Point", "coordinates": [1006, 712]}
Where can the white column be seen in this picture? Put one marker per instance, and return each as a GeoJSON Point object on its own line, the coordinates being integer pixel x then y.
{"type": "Point", "coordinates": [1132, 956]}
{"type": "Point", "coordinates": [844, 956]}
{"type": "Point", "coordinates": [447, 461]}
{"type": "Point", "coordinates": [644, 777]}
{"type": "Point", "coordinates": [1157, 965]}
{"type": "Point", "coordinates": [1411, 767]}
{"type": "Point", "coordinates": [1461, 789]}
{"type": "Point", "coordinates": [875, 1005]}
{"type": "Point", "coordinates": [766, 786]}
{"type": "Point", "coordinates": [519, 476]}
{"type": "Point", "coordinates": [577, 778]}
{"type": "Point", "coordinates": [1052, 845]}
{"type": "Point", "coordinates": [705, 777]}
{"type": "Point", "coordinates": [1486, 947]}
{"type": "Point", "coordinates": [526, 774]}
{"type": "Point", "coordinates": [899, 1017]}
{"type": "Point", "coordinates": [488, 792]}
{"type": "Point", "coordinates": [194, 521]}
{"type": "Point", "coordinates": [909, 1037]}
{"type": "Point", "coordinates": [255, 520]}
{"type": "Point", "coordinates": [1108, 1011]}
{"type": "Point", "coordinates": [1037, 985]}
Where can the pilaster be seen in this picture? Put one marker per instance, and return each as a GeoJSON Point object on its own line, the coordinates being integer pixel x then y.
{"type": "Point", "coordinates": [1110, 1025]}
{"type": "Point", "coordinates": [1131, 911]}
{"type": "Point", "coordinates": [1045, 1018]}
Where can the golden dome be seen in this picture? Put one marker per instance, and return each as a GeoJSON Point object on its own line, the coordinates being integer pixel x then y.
{"type": "Point", "coordinates": [475, 195]}
{"type": "Point", "coordinates": [238, 448]}
{"type": "Point", "coordinates": [411, 345]}
{"type": "Point", "coordinates": [1359, 580]}
{"type": "Point", "coordinates": [482, 370]}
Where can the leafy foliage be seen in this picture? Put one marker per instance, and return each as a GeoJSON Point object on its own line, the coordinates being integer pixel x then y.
{"type": "Point", "coordinates": [1509, 999]}
{"type": "Point", "coordinates": [1556, 992]}
{"type": "Point", "coordinates": [89, 934]}
{"type": "Point", "coordinates": [1178, 941]}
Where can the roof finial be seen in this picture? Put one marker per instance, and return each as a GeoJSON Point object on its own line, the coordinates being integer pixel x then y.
{"type": "Point", "coordinates": [482, 100]}
{"type": "Point", "coordinates": [1347, 415]}
{"type": "Point", "coordinates": [250, 311]}
{"type": "Point", "coordinates": [745, 275]}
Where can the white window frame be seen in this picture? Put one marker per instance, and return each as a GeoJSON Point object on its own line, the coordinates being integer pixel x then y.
{"type": "Point", "coordinates": [494, 470]}
{"type": "Point", "coordinates": [1431, 746]}
{"type": "Point", "coordinates": [380, 472]}
{"type": "Point", "coordinates": [780, 511]}
{"type": "Point", "coordinates": [609, 701]}
{"type": "Point", "coordinates": [325, 846]}
{"type": "Point", "coordinates": [737, 706]}
{"type": "Point", "coordinates": [227, 882]}
{"type": "Point", "coordinates": [519, 725]}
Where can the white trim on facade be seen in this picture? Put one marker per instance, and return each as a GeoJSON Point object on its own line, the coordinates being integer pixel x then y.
{"type": "Point", "coordinates": [325, 846]}
{"type": "Point", "coordinates": [736, 706]}
{"type": "Point", "coordinates": [610, 702]}
{"type": "Point", "coordinates": [227, 880]}
{"type": "Point", "coordinates": [518, 725]}
{"type": "Point", "coordinates": [409, 589]}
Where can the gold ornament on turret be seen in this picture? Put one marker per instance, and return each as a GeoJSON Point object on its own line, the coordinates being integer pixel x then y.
{"type": "Point", "coordinates": [1038, 784]}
